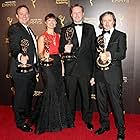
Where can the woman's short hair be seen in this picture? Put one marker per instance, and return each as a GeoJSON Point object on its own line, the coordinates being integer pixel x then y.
{"type": "Point", "coordinates": [50, 15]}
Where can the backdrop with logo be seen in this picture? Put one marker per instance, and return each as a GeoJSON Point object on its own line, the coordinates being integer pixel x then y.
{"type": "Point", "coordinates": [127, 15]}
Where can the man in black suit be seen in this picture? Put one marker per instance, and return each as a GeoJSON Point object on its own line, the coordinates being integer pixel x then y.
{"type": "Point", "coordinates": [77, 46]}
{"type": "Point", "coordinates": [109, 79]}
{"type": "Point", "coordinates": [19, 34]}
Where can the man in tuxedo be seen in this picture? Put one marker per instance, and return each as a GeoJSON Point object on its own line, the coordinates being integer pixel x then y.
{"type": "Point", "coordinates": [77, 46]}
{"type": "Point", "coordinates": [109, 79]}
{"type": "Point", "coordinates": [24, 82]}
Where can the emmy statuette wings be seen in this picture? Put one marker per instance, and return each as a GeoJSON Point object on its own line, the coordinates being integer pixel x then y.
{"type": "Point", "coordinates": [24, 68]}
{"type": "Point", "coordinates": [101, 49]}
{"type": "Point", "coordinates": [68, 36]}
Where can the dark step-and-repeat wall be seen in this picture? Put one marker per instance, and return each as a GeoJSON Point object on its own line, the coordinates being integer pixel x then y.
{"type": "Point", "coordinates": [127, 14]}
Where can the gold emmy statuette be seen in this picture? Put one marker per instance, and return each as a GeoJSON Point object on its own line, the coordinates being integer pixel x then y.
{"type": "Point", "coordinates": [121, 19]}
{"type": "Point", "coordinates": [91, 2]}
{"type": "Point", "coordinates": [9, 20]}
{"type": "Point", "coordinates": [24, 68]}
{"type": "Point", "coordinates": [62, 19]}
{"type": "Point", "coordinates": [101, 49]}
{"type": "Point", "coordinates": [7, 40]}
{"type": "Point", "coordinates": [37, 93]}
{"type": "Point", "coordinates": [68, 36]}
{"type": "Point", "coordinates": [47, 60]}
{"type": "Point", "coordinates": [33, 3]}
{"type": "Point", "coordinates": [69, 3]}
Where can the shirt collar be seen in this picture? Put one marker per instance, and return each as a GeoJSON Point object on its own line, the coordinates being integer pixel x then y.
{"type": "Point", "coordinates": [25, 26]}
{"type": "Point", "coordinates": [111, 30]}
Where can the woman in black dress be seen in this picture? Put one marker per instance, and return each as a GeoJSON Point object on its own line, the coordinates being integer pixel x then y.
{"type": "Point", "coordinates": [52, 109]}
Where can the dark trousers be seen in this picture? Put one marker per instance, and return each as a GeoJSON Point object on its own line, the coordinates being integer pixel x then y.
{"type": "Point", "coordinates": [72, 84]}
{"type": "Point", "coordinates": [110, 93]}
{"type": "Point", "coordinates": [24, 86]}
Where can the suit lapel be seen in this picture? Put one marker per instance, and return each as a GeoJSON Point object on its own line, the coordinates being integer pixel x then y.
{"type": "Point", "coordinates": [75, 38]}
{"type": "Point", "coordinates": [29, 36]}
{"type": "Point", "coordinates": [26, 32]}
{"type": "Point", "coordinates": [112, 38]}
{"type": "Point", "coordinates": [83, 38]}
{"type": "Point", "coordinates": [23, 28]}
{"type": "Point", "coordinates": [83, 35]}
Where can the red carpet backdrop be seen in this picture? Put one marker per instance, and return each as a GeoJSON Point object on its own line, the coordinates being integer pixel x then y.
{"type": "Point", "coordinates": [126, 12]}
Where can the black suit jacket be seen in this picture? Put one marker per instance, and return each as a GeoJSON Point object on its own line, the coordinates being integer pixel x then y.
{"type": "Point", "coordinates": [16, 33]}
{"type": "Point", "coordinates": [84, 64]}
{"type": "Point", "coordinates": [117, 47]}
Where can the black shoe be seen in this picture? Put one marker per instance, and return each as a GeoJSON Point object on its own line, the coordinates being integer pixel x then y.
{"type": "Point", "coordinates": [89, 126]}
{"type": "Point", "coordinates": [121, 136]}
{"type": "Point", "coordinates": [25, 127]}
{"type": "Point", "coordinates": [101, 130]}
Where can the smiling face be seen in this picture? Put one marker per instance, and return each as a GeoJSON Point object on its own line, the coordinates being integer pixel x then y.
{"type": "Point", "coordinates": [23, 15]}
{"type": "Point", "coordinates": [50, 23]}
{"type": "Point", "coordinates": [77, 14]}
{"type": "Point", "coordinates": [107, 22]}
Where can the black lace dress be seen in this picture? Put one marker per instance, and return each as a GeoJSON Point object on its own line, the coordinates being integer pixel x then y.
{"type": "Point", "coordinates": [52, 112]}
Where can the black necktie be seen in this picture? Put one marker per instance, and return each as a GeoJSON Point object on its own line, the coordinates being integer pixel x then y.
{"type": "Point", "coordinates": [103, 32]}
{"type": "Point", "coordinates": [29, 31]}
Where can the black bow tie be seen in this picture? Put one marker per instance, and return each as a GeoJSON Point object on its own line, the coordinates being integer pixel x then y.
{"type": "Point", "coordinates": [103, 32]}
{"type": "Point", "coordinates": [78, 24]}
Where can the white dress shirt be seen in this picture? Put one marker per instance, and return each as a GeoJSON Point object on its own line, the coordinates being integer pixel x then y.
{"type": "Point", "coordinates": [107, 37]}
{"type": "Point", "coordinates": [79, 29]}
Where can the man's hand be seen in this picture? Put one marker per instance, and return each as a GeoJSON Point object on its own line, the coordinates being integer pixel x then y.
{"type": "Point", "coordinates": [108, 55]}
{"type": "Point", "coordinates": [105, 56]}
{"type": "Point", "coordinates": [68, 48]}
{"type": "Point", "coordinates": [46, 54]}
{"type": "Point", "coordinates": [92, 81]}
{"type": "Point", "coordinates": [24, 59]}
